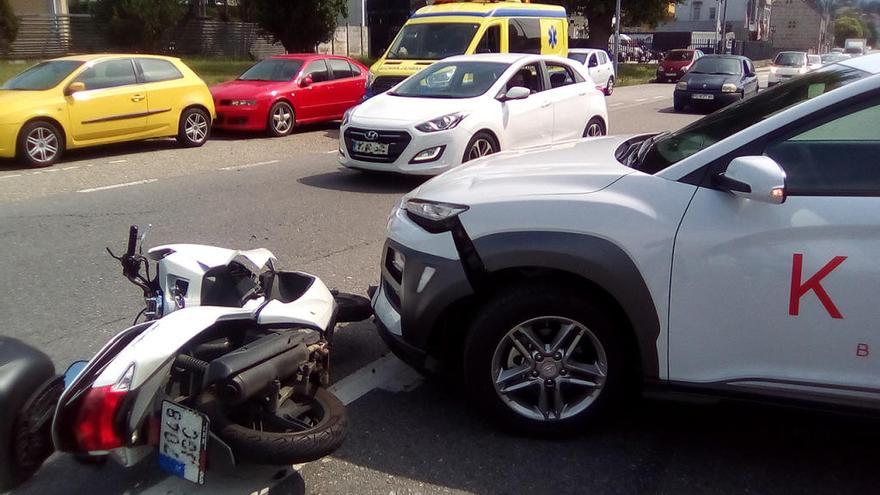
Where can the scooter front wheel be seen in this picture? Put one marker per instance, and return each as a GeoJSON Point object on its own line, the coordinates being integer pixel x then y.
{"type": "Point", "coordinates": [302, 429]}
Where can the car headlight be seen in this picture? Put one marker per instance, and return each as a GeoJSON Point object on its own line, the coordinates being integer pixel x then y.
{"type": "Point", "coordinates": [681, 85]}
{"type": "Point", "coordinates": [433, 216]}
{"type": "Point", "coordinates": [243, 103]}
{"type": "Point", "coordinates": [371, 78]}
{"type": "Point", "coordinates": [346, 117]}
{"type": "Point", "coordinates": [729, 88]}
{"type": "Point", "coordinates": [443, 123]}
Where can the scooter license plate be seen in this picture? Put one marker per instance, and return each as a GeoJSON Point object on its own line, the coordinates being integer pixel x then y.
{"type": "Point", "coordinates": [369, 147]}
{"type": "Point", "coordinates": [183, 439]}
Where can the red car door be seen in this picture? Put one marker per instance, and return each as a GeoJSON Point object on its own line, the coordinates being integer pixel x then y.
{"type": "Point", "coordinates": [348, 85]}
{"type": "Point", "coordinates": [313, 100]}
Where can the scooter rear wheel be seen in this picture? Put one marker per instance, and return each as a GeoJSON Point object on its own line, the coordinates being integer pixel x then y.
{"type": "Point", "coordinates": [302, 429]}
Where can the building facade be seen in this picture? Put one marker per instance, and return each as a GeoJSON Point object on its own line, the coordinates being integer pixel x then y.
{"type": "Point", "coordinates": [799, 25]}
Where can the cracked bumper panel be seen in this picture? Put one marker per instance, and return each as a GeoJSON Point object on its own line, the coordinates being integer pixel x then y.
{"type": "Point", "coordinates": [8, 133]}
{"type": "Point", "coordinates": [416, 287]}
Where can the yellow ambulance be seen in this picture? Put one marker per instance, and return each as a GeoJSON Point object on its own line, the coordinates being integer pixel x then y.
{"type": "Point", "coordinates": [446, 28]}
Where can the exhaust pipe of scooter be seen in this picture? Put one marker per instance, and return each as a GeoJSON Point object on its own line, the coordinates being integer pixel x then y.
{"type": "Point", "coordinates": [248, 383]}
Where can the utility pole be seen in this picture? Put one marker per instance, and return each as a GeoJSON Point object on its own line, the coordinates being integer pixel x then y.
{"type": "Point", "coordinates": [616, 37]}
{"type": "Point", "coordinates": [724, 28]}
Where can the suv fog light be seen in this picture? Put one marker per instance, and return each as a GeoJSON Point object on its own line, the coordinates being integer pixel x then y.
{"type": "Point", "coordinates": [428, 155]}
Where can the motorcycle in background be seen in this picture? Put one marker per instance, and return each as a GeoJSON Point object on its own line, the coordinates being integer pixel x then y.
{"type": "Point", "coordinates": [231, 363]}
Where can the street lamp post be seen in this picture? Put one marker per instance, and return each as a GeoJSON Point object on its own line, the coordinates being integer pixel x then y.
{"type": "Point", "coordinates": [616, 37]}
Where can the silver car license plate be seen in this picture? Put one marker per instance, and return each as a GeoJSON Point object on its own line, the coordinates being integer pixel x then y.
{"type": "Point", "coordinates": [183, 439]}
{"type": "Point", "coordinates": [701, 96]}
{"type": "Point", "coordinates": [369, 148]}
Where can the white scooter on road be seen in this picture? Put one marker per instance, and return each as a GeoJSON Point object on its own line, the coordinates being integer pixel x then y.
{"type": "Point", "coordinates": [232, 363]}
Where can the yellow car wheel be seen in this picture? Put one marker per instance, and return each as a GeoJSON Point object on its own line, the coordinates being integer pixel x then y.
{"type": "Point", "coordinates": [40, 144]}
{"type": "Point", "coordinates": [194, 128]}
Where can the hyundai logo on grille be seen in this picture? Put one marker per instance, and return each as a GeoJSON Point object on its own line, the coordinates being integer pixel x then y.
{"type": "Point", "coordinates": [371, 135]}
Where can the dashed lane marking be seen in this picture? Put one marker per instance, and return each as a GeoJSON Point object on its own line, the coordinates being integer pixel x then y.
{"type": "Point", "coordinates": [387, 373]}
{"type": "Point", "coordinates": [639, 100]}
{"type": "Point", "coordinates": [250, 165]}
{"type": "Point", "coordinates": [9, 176]}
{"type": "Point", "coordinates": [116, 161]}
{"type": "Point", "coordinates": [115, 186]}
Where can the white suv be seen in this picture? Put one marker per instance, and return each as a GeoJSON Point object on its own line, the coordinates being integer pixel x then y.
{"type": "Point", "coordinates": [734, 256]}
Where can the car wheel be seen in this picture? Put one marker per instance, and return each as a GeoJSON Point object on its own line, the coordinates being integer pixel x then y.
{"type": "Point", "coordinates": [677, 104]}
{"type": "Point", "coordinates": [194, 128]}
{"type": "Point", "coordinates": [40, 144]}
{"type": "Point", "coordinates": [480, 145]}
{"type": "Point", "coordinates": [281, 119]}
{"type": "Point", "coordinates": [609, 88]}
{"type": "Point", "coordinates": [543, 359]}
{"type": "Point", "coordinates": [595, 127]}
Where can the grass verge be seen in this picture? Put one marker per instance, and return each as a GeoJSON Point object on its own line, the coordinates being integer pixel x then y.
{"type": "Point", "coordinates": [632, 74]}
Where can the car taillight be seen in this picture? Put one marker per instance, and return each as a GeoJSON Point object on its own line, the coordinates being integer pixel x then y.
{"type": "Point", "coordinates": [96, 424]}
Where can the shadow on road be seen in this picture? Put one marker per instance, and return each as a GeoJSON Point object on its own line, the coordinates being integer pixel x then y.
{"type": "Point", "coordinates": [331, 130]}
{"type": "Point", "coordinates": [363, 182]}
{"type": "Point", "coordinates": [112, 151]}
{"type": "Point", "coordinates": [687, 110]}
{"type": "Point", "coordinates": [658, 447]}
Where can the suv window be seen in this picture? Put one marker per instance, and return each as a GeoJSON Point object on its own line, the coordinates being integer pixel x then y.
{"type": "Point", "coordinates": [341, 69]}
{"type": "Point", "coordinates": [317, 69]}
{"type": "Point", "coordinates": [840, 157]}
{"type": "Point", "coordinates": [529, 76]}
{"type": "Point", "coordinates": [491, 42]}
{"type": "Point", "coordinates": [109, 74]}
{"type": "Point", "coordinates": [560, 75]}
{"type": "Point", "coordinates": [525, 36]}
{"type": "Point", "coordinates": [155, 70]}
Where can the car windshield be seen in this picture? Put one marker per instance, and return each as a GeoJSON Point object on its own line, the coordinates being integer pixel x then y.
{"type": "Point", "coordinates": [272, 69]}
{"type": "Point", "coordinates": [42, 76]}
{"type": "Point", "coordinates": [432, 41]}
{"type": "Point", "coordinates": [677, 56]}
{"type": "Point", "coordinates": [713, 65]}
{"type": "Point", "coordinates": [580, 57]}
{"type": "Point", "coordinates": [452, 80]}
{"type": "Point", "coordinates": [791, 59]}
{"type": "Point", "coordinates": [672, 148]}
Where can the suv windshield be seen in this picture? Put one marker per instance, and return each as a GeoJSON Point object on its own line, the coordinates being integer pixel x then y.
{"type": "Point", "coordinates": [791, 59]}
{"type": "Point", "coordinates": [677, 56]}
{"type": "Point", "coordinates": [714, 65]}
{"type": "Point", "coordinates": [432, 41]}
{"type": "Point", "coordinates": [672, 148]}
{"type": "Point", "coordinates": [452, 80]}
{"type": "Point", "coordinates": [42, 76]}
{"type": "Point", "coordinates": [272, 70]}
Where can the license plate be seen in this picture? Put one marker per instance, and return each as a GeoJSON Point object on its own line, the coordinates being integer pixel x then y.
{"type": "Point", "coordinates": [700, 96]}
{"type": "Point", "coordinates": [183, 441]}
{"type": "Point", "coordinates": [369, 147]}
{"type": "Point", "coordinates": [670, 74]}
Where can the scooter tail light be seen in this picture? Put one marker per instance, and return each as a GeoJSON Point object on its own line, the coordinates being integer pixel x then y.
{"type": "Point", "coordinates": [96, 426]}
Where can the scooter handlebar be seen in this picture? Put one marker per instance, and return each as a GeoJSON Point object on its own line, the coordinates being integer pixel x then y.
{"type": "Point", "coordinates": [132, 239]}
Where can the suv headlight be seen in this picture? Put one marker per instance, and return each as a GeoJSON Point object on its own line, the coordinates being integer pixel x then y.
{"type": "Point", "coordinates": [443, 123]}
{"type": "Point", "coordinates": [681, 85]}
{"type": "Point", "coordinates": [433, 216]}
{"type": "Point", "coordinates": [728, 88]}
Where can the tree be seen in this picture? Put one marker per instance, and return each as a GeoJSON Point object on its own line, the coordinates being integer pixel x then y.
{"type": "Point", "coordinates": [8, 26]}
{"type": "Point", "coordinates": [847, 27]}
{"type": "Point", "coordinates": [600, 13]}
{"type": "Point", "coordinates": [298, 25]}
{"type": "Point", "coordinates": [138, 24]}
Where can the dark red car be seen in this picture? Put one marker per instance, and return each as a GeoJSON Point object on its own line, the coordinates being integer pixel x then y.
{"type": "Point", "coordinates": [280, 92]}
{"type": "Point", "coordinates": [675, 64]}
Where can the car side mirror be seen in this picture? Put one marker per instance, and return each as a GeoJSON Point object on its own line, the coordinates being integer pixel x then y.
{"type": "Point", "coordinates": [757, 178]}
{"type": "Point", "coordinates": [306, 82]}
{"type": "Point", "coordinates": [74, 87]}
{"type": "Point", "coordinates": [516, 93]}
{"type": "Point", "coordinates": [73, 371]}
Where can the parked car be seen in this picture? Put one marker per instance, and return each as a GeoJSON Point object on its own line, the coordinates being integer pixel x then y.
{"type": "Point", "coordinates": [716, 81]}
{"type": "Point", "coordinates": [675, 64]}
{"type": "Point", "coordinates": [729, 258]}
{"type": "Point", "coordinates": [278, 93]}
{"type": "Point", "coordinates": [87, 100]}
{"type": "Point", "coordinates": [787, 65]}
{"type": "Point", "coordinates": [834, 57]}
{"type": "Point", "coordinates": [599, 65]}
{"type": "Point", "coordinates": [814, 61]}
{"type": "Point", "coordinates": [466, 107]}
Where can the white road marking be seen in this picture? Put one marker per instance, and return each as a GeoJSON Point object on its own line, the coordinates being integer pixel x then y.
{"type": "Point", "coordinates": [615, 104]}
{"type": "Point", "coordinates": [114, 186]}
{"type": "Point", "coordinates": [660, 97]}
{"type": "Point", "coordinates": [250, 165]}
{"type": "Point", "coordinates": [70, 168]}
{"type": "Point", "coordinates": [9, 176]}
{"type": "Point", "coordinates": [387, 373]}
{"type": "Point", "coordinates": [640, 99]}
{"type": "Point", "coordinates": [51, 170]}
{"type": "Point", "coordinates": [116, 161]}
{"type": "Point", "coordinates": [331, 151]}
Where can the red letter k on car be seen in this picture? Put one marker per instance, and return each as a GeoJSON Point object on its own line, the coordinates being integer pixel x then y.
{"type": "Point", "coordinates": [814, 284]}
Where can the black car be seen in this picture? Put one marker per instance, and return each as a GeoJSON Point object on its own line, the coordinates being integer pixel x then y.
{"type": "Point", "coordinates": [716, 81]}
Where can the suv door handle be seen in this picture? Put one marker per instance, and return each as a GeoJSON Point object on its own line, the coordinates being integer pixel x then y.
{"type": "Point", "coordinates": [545, 104]}
{"type": "Point", "coordinates": [137, 98]}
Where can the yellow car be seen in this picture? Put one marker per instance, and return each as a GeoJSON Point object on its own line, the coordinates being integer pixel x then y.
{"type": "Point", "coordinates": [87, 100]}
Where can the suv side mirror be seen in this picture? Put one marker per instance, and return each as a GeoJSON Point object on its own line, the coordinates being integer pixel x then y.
{"type": "Point", "coordinates": [74, 87]}
{"type": "Point", "coordinates": [306, 82]}
{"type": "Point", "coordinates": [758, 178]}
{"type": "Point", "coordinates": [516, 93]}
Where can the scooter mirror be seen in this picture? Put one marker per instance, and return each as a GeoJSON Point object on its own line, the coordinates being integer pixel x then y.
{"type": "Point", "coordinates": [73, 371]}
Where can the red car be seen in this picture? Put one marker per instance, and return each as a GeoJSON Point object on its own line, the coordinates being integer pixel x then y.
{"type": "Point", "coordinates": [676, 63]}
{"type": "Point", "coordinates": [281, 92]}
